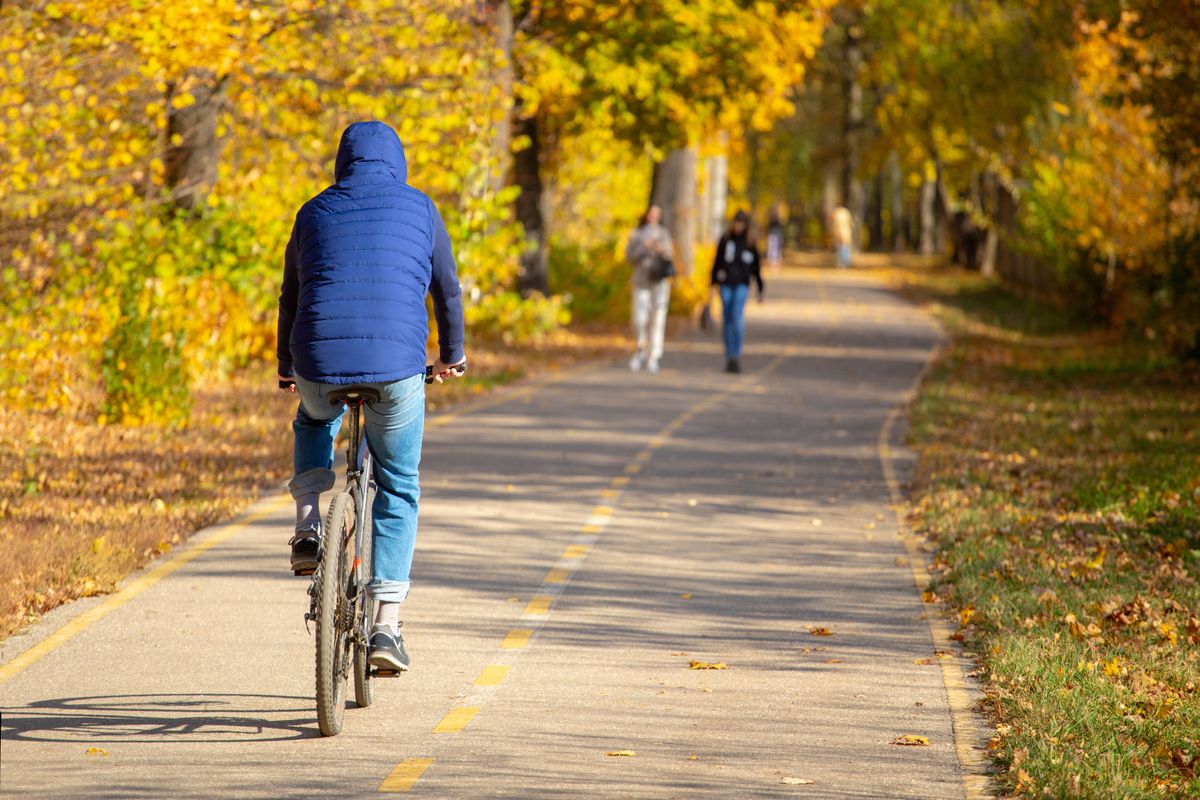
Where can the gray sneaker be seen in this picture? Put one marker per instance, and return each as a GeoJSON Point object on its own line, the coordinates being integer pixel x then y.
{"type": "Point", "coordinates": [306, 548]}
{"type": "Point", "coordinates": [387, 651]}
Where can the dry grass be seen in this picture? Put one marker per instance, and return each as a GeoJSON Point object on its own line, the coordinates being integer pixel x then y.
{"type": "Point", "coordinates": [82, 505]}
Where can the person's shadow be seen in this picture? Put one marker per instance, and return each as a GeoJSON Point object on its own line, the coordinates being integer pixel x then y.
{"type": "Point", "coordinates": [162, 719]}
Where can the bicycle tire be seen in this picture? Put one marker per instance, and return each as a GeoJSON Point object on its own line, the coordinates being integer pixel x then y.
{"type": "Point", "coordinates": [331, 634]}
{"type": "Point", "coordinates": [363, 689]}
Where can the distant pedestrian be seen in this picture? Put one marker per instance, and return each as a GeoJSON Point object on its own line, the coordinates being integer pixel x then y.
{"type": "Point", "coordinates": [774, 241]}
{"type": "Point", "coordinates": [651, 254]}
{"type": "Point", "coordinates": [842, 228]}
{"type": "Point", "coordinates": [736, 263]}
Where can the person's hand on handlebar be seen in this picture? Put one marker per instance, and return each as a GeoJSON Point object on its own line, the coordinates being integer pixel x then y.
{"type": "Point", "coordinates": [440, 370]}
{"type": "Point", "coordinates": [287, 384]}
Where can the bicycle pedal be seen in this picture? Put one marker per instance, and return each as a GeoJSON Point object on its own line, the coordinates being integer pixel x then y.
{"type": "Point", "coordinates": [304, 572]}
{"type": "Point", "coordinates": [385, 673]}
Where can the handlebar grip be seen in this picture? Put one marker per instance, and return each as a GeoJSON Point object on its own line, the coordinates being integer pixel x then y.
{"type": "Point", "coordinates": [458, 369]}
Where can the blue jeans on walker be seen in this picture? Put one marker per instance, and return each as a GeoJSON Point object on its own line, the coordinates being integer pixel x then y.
{"type": "Point", "coordinates": [395, 427]}
{"type": "Point", "coordinates": [733, 317]}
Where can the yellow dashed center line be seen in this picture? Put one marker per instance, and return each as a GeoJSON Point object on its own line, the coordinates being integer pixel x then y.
{"type": "Point", "coordinates": [456, 720]}
{"type": "Point", "coordinates": [405, 775]}
{"type": "Point", "coordinates": [557, 575]}
{"type": "Point", "coordinates": [516, 639]}
{"type": "Point", "coordinates": [576, 551]}
{"type": "Point", "coordinates": [539, 605]}
{"type": "Point", "coordinates": [408, 772]}
{"type": "Point", "coordinates": [492, 675]}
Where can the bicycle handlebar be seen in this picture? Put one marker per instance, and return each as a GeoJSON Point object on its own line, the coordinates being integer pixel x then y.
{"type": "Point", "coordinates": [458, 369]}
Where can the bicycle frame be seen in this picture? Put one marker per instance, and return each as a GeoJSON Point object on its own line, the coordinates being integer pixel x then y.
{"type": "Point", "coordinates": [358, 479]}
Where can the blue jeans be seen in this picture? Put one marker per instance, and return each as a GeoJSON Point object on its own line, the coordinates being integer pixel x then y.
{"type": "Point", "coordinates": [843, 256]}
{"type": "Point", "coordinates": [395, 427]}
{"type": "Point", "coordinates": [733, 316]}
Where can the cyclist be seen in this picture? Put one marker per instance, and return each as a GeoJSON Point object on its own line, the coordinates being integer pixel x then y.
{"type": "Point", "coordinates": [362, 256]}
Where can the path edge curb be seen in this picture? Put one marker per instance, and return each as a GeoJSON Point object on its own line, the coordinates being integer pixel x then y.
{"type": "Point", "coordinates": [969, 725]}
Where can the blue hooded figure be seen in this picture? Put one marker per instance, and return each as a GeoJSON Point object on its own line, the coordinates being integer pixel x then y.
{"type": "Point", "coordinates": [362, 257]}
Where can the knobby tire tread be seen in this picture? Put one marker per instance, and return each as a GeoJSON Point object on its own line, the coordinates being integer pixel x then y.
{"type": "Point", "coordinates": [331, 705]}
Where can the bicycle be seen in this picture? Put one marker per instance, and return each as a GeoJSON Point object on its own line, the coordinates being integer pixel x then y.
{"type": "Point", "coordinates": [339, 602]}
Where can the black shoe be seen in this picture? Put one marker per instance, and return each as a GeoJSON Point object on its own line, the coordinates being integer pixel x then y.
{"type": "Point", "coordinates": [733, 366]}
{"type": "Point", "coordinates": [306, 549]}
{"type": "Point", "coordinates": [387, 651]}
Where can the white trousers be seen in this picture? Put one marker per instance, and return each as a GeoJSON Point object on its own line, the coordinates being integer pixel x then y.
{"type": "Point", "coordinates": [650, 318]}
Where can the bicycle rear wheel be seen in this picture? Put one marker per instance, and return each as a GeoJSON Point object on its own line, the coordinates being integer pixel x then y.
{"type": "Point", "coordinates": [363, 693]}
{"type": "Point", "coordinates": [334, 618]}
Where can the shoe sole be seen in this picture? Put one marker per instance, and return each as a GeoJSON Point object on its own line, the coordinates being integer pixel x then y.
{"type": "Point", "coordinates": [381, 661]}
{"type": "Point", "coordinates": [306, 567]}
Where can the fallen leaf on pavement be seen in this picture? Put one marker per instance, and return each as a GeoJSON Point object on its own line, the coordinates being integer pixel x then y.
{"type": "Point", "coordinates": [820, 631]}
{"type": "Point", "coordinates": [911, 740]}
{"type": "Point", "coordinates": [922, 660]}
{"type": "Point", "coordinates": [797, 781]}
{"type": "Point", "coordinates": [706, 665]}
{"type": "Point", "coordinates": [627, 753]}
{"type": "Point", "coordinates": [96, 751]}
{"type": "Point", "coordinates": [685, 596]}
{"type": "Point", "coordinates": [693, 758]}
{"type": "Point", "coordinates": [833, 661]}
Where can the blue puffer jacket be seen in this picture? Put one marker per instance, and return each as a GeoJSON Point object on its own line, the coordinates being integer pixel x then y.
{"type": "Point", "coordinates": [362, 256]}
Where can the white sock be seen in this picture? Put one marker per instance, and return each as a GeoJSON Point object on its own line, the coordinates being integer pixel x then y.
{"type": "Point", "coordinates": [308, 508]}
{"type": "Point", "coordinates": [388, 616]}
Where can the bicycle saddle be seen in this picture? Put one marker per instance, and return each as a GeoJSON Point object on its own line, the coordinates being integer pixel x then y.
{"type": "Point", "coordinates": [345, 394]}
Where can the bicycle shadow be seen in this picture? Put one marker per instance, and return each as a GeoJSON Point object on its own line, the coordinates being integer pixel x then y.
{"type": "Point", "coordinates": [162, 719]}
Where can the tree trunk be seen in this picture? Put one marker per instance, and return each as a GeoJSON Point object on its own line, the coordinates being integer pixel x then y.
{"type": "Point", "coordinates": [852, 126]}
{"type": "Point", "coordinates": [829, 200]}
{"type": "Point", "coordinates": [530, 208]}
{"type": "Point", "coordinates": [674, 191]}
{"type": "Point", "coordinates": [928, 209]}
{"type": "Point", "coordinates": [498, 24]}
{"type": "Point", "coordinates": [896, 188]}
{"type": "Point", "coordinates": [875, 215]}
{"type": "Point", "coordinates": [712, 208]}
{"type": "Point", "coordinates": [989, 194]}
{"type": "Point", "coordinates": [193, 150]}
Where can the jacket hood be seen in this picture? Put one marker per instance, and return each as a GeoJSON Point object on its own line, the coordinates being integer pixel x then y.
{"type": "Point", "coordinates": [370, 148]}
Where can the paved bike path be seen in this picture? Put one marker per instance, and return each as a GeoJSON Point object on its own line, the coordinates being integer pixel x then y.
{"type": "Point", "coordinates": [581, 544]}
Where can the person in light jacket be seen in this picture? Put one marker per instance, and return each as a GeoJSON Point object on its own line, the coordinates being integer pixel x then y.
{"type": "Point", "coordinates": [735, 265]}
{"type": "Point", "coordinates": [649, 246]}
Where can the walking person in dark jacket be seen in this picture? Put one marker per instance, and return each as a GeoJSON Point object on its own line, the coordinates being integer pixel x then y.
{"type": "Point", "coordinates": [362, 256]}
{"type": "Point", "coordinates": [736, 263]}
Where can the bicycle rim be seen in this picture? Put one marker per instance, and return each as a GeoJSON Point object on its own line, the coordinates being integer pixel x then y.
{"type": "Point", "coordinates": [332, 630]}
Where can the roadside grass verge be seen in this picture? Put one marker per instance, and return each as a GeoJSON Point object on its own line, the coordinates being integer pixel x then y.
{"type": "Point", "coordinates": [1059, 475]}
{"type": "Point", "coordinates": [83, 504]}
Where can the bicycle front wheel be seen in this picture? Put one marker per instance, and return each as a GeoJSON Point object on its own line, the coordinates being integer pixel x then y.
{"type": "Point", "coordinates": [334, 616]}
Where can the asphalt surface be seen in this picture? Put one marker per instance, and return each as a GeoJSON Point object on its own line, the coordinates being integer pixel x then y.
{"type": "Point", "coordinates": [556, 611]}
